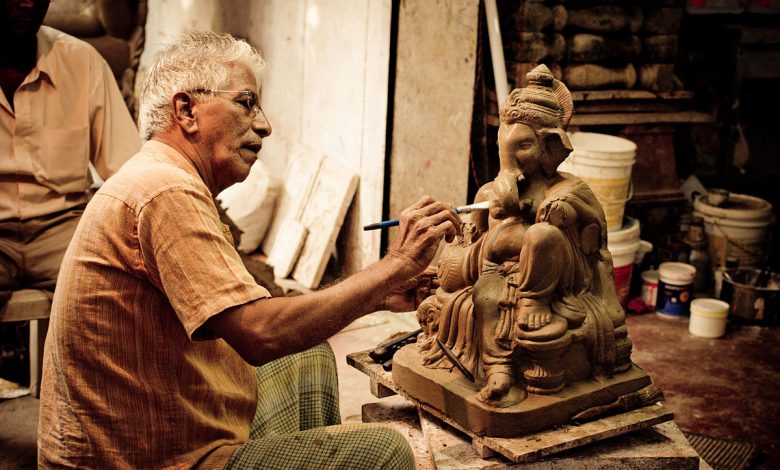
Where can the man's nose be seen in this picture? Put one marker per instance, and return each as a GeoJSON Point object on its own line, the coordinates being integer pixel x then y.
{"type": "Point", "coordinates": [261, 125]}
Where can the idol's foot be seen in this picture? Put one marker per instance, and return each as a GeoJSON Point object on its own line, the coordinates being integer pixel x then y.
{"type": "Point", "coordinates": [497, 386]}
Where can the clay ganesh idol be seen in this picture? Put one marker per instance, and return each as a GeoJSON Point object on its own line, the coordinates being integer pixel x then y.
{"type": "Point", "coordinates": [527, 300]}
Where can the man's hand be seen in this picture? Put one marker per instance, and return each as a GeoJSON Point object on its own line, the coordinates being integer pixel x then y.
{"type": "Point", "coordinates": [422, 226]}
{"type": "Point", "coordinates": [410, 294]}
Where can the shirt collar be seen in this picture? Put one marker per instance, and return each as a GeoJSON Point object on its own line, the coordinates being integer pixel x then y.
{"type": "Point", "coordinates": [45, 66]}
{"type": "Point", "coordinates": [171, 154]}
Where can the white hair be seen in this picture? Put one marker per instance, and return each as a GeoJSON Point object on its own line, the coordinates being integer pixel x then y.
{"type": "Point", "coordinates": [198, 60]}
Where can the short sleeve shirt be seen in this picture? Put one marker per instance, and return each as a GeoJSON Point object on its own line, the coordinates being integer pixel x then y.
{"type": "Point", "coordinates": [130, 379]}
{"type": "Point", "coordinates": [67, 112]}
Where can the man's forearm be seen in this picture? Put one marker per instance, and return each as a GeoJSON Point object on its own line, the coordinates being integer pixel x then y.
{"type": "Point", "coordinates": [266, 329]}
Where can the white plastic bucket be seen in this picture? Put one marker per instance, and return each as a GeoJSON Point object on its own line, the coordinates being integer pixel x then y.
{"type": "Point", "coordinates": [604, 162]}
{"type": "Point", "coordinates": [708, 318]}
{"type": "Point", "coordinates": [675, 288]}
{"type": "Point", "coordinates": [738, 228]}
{"type": "Point", "coordinates": [623, 245]}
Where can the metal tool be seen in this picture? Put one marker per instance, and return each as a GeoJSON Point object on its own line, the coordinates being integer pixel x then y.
{"type": "Point", "coordinates": [384, 351]}
{"type": "Point", "coordinates": [484, 205]}
{"type": "Point", "coordinates": [455, 360]}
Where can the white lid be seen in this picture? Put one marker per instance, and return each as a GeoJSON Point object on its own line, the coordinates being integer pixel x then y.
{"type": "Point", "coordinates": [710, 308]}
{"type": "Point", "coordinates": [676, 273]}
{"type": "Point", "coordinates": [650, 276]}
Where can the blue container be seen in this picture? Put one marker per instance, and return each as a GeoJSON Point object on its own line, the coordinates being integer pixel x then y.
{"type": "Point", "coordinates": [675, 289]}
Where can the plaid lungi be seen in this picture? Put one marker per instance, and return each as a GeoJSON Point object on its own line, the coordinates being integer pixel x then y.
{"type": "Point", "coordinates": [296, 424]}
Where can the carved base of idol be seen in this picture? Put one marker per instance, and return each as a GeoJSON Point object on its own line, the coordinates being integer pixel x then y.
{"type": "Point", "coordinates": [529, 406]}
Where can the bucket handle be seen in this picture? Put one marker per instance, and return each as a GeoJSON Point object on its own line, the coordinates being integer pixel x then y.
{"type": "Point", "coordinates": [732, 242]}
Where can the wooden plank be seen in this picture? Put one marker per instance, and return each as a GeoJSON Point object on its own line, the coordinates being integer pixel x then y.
{"type": "Point", "coordinates": [360, 248]}
{"type": "Point", "coordinates": [537, 445]}
{"type": "Point", "coordinates": [362, 362]}
{"type": "Point", "coordinates": [26, 304]}
{"type": "Point", "coordinates": [346, 73]}
{"type": "Point", "coordinates": [660, 447]}
{"type": "Point", "coordinates": [292, 235]}
{"type": "Point", "coordinates": [323, 216]}
{"type": "Point", "coordinates": [298, 185]}
{"type": "Point", "coordinates": [380, 391]}
{"type": "Point", "coordinates": [683, 117]}
{"type": "Point", "coordinates": [644, 95]}
{"type": "Point", "coordinates": [433, 102]}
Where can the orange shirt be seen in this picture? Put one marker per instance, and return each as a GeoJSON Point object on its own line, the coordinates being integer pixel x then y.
{"type": "Point", "coordinates": [67, 112]}
{"type": "Point", "coordinates": [129, 380]}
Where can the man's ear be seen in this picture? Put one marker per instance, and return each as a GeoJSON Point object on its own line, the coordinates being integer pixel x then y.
{"type": "Point", "coordinates": [184, 113]}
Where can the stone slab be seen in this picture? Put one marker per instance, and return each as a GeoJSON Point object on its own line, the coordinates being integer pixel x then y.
{"type": "Point", "coordinates": [451, 394]}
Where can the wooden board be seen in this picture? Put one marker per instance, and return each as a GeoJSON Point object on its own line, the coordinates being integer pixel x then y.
{"type": "Point", "coordinates": [26, 304]}
{"type": "Point", "coordinates": [542, 444]}
{"type": "Point", "coordinates": [537, 445]}
{"type": "Point", "coordinates": [287, 247]}
{"type": "Point", "coordinates": [642, 95]}
{"type": "Point", "coordinates": [299, 182]}
{"type": "Point", "coordinates": [433, 102]}
{"type": "Point", "coordinates": [323, 216]}
{"type": "Point", "coordinates": [683, 117]}
{"type": "Point", "coordinates": [660, 447]}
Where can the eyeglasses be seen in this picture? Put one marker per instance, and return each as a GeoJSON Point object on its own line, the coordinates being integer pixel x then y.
{"type": "Point", "coordinates": [247, 99]}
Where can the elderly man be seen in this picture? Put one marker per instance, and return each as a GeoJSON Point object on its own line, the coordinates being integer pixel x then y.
{"type": "Point", "coordinates": [156, 323]}
{"type": "Point", "coordinates": [60, 109]}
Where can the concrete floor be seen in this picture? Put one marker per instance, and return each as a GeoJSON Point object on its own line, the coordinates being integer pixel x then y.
{"type": "Point", "coordinates": [725, 388]}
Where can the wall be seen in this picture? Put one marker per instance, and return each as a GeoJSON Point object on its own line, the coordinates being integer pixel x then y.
{"type": "Point", "coordinates": [326, 85]}
{"type": "Point", "coordinates": [433, 101]}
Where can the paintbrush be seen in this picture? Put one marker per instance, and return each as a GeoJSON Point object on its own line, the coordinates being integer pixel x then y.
{"type": "Point", "coordinates": [477, 206]}
{"type": "Point", "coordinates": [644, 397]}
{"type": "Point", "coordinates": [455, 360]}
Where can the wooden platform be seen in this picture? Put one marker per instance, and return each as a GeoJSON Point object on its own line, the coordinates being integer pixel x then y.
{"type": "Point", "coordinates": [535, 446]}
{"type": "Point", "coordinates": [437, 445]}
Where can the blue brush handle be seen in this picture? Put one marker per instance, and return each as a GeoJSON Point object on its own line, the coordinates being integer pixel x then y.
{"type": "Point", "coordinates": [383, 224]}
{"type": "Point", "coordinates": [460, 210]}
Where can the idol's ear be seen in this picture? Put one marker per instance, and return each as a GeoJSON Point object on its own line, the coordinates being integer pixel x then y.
{"type": "Point", "coordinates": [556, 147]}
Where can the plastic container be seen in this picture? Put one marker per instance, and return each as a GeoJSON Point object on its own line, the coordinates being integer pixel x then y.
{"type": "Point", "coordinates": [675, 288]}
{"type": "Point", "coordinates": [649, 287]}
{"type": "Point", "coordinates": [708, 318]}
{"type": "Point", "coordinates": [738, 227]}
{"type": "Point", "coordinates": [604, 162]}
{"type": "Point", "coordinates": [623, 245]}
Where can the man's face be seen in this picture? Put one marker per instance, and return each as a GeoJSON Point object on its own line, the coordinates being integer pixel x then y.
{"type": "Point", "coordinates": [22, 18]}
{"type": "Point", "coordinates": [230, 134]}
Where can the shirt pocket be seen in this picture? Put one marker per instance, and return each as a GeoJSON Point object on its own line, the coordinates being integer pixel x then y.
{"type": "Point", "coordinates": [62, 162]}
